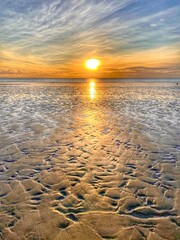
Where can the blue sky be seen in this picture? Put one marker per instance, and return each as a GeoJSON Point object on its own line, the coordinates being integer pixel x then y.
{"type": "Point", "coordinates": [132, 38]}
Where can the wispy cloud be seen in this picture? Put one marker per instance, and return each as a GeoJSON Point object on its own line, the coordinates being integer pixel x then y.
{"type": "Point", "coordinates": [62, 33]}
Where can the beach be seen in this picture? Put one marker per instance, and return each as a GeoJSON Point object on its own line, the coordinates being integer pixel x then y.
{"type": "Point", "coordinates": [89, 160]}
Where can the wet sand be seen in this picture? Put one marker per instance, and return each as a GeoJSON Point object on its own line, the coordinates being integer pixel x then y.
{"type": "Point", "coordinates": [89, 161]}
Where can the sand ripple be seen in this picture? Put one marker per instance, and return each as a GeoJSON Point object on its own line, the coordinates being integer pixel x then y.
{"type": "Point", "coordinates": [77, 167]}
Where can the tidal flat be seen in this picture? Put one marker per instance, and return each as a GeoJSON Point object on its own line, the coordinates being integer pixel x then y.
{"type": "Point", "coordinates": [89, 161]}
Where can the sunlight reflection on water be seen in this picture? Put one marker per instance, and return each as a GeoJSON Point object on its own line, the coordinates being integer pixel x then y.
{"type": "Point", "coordinates": [92, 89]}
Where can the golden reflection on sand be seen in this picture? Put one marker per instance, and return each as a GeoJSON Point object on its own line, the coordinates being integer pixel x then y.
{"type": "Point", "coordinates": [92, 117]}
{"type": "Point", "coordinates": [92, 89]}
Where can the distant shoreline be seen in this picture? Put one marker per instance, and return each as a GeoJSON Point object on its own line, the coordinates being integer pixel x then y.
{"type": "Point", "coordinates": [85, 80]}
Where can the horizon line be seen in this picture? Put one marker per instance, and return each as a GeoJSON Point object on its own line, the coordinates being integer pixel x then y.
{"type": "Point", "coordinates": [82, 78]}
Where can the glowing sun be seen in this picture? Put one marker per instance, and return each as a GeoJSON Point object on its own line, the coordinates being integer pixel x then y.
{"type": "Point", "coordinates": [92, 64]}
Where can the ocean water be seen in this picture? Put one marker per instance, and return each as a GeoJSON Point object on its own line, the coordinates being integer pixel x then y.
{"type": "Point", "coordinates": [89, 159]}
{"type": "Point", "coordinates": [83, 80]}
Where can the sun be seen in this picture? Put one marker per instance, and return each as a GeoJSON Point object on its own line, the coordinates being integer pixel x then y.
{"type": "Point", "coordinates": [92, 64]}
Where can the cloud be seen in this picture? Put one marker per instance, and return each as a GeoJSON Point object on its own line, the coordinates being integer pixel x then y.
{"type": "Point", "coordinates": [10, 72]}
{"type": "Point", "coordinates": [141, 69]}
{"type": "Point", "coordinates": [59, 32]}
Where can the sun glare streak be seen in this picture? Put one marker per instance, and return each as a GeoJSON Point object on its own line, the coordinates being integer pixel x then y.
{"type": "Point", "coordinates": [92, 89]}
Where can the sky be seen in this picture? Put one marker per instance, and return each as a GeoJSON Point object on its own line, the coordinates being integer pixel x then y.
{"type": "Point", "coordinates": [53, 38]}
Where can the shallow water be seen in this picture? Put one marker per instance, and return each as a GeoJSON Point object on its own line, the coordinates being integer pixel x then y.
{"type": "Point", "coordinates": [89, 161]}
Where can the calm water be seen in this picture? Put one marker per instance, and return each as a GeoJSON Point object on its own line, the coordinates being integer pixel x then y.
{"type": "Point", "coordinates": [101, 160]}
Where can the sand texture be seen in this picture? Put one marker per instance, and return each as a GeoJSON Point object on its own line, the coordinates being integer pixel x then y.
{"type": "Point", "coordinates": [89, 162]}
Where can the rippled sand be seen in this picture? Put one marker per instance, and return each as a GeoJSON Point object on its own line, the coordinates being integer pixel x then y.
{"type": "Point", "coordinates": [89, 161]}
